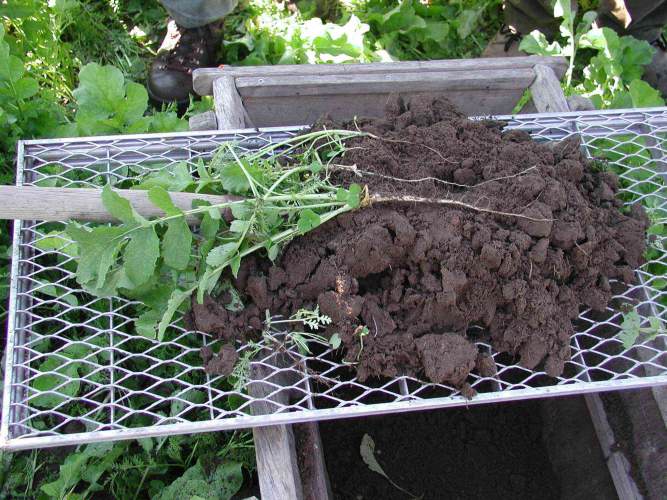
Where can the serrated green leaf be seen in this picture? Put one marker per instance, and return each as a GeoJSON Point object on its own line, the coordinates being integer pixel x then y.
{"type": "Point", "coordinates": [56, 240]}
{"type": "Point", "coordinates": [241, 211]}
{"type": "Point", "coordinates": [160, 198]}
{"type": "Point", "coordinates": [101, 89]}
{"type": "Point", "coordinates": [98, 249]}
{"type": "Point", "coordinates": [536, 43]}
{"type": "Point", "coordinates": [175, 301]}
{"type": "Point", "coordinates": [52, 291]}
{"type": "Point", "coordinates": [239, 226]}
{"type": "Point", "coordinates": [12, 70]}
{"type": "Point", "coordinates": [146, 323]}
{"type": "Point", "coordinates": [175, 178]}
{"type": "Point", "coordinates": [177, 244]}
{"type": "Point", "coordinates": [120, 207]}
{"type": "Point", "coordinates": [141, 254]}
{"type": "Point", "coordinates": [354, 196]}
{"type": "Point", "coordinates": [133, 106]}
{"type": "Point", "coordinates": [308, 220]}
{"type": "Point", "coordinates": [234, 180]}
{"type": "Point", "coordinates": [221, 254]}
{"type": "Point", "coordinates": [272, 252]}
{"type": "Point", "coordinates": [209, 226]}
{"type": "Point", "coordinates": [644, 96]}
{"type": "Point", "coordinates": [335, 341]}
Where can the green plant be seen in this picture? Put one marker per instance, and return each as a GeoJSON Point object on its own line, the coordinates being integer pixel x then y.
{"type": "Point", "coordinates": [106, 103]}
{"type": "Point", "coordinates": [612, 77]}
{"type": "Point", "coordinates": [154, 261]}
{"type": "Point", "coordinates": [631, 329]}
{"type": "Point", "coordinates": [206, 466]}
{"type": "Point", "coordinates": [266, 32]}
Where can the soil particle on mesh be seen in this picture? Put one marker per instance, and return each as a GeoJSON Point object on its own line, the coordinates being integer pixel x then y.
{"type": "Point", "coordinates": [419, 276]}
{"type": "Point", "coordinates": [493, 451]}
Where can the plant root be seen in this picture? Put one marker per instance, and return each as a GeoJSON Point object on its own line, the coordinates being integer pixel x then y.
{"type": "Point", "coordinates": [357, 171]}
{"type": "Point", "coordinates": [367, 200]}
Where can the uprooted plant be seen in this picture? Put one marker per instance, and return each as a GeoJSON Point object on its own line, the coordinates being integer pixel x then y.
{"type": "Point", "coordinates": [280, 191]}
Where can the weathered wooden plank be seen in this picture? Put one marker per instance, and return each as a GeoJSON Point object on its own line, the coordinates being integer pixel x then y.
{"type": "Point", "coordinates": [204, 77]}
{"type": "Point", "coordinates": [275, 450]}
{"type": "Point", "coordinates": [312, 466]}
{"type": "Point", "coordinates": [335, 85]}
{"type": "Point", "coordinates": [84, 204]}
{"type": "Point", "coordinates": [303, 110]}
{"type": "Point", "coordinates": [203, 121]}
{"type": "Point", "coordinates": [619, 467]}
{"type": "Point", "coordinates": [229, 109]}
{"type": "Point", "coordinates": [546, 91]}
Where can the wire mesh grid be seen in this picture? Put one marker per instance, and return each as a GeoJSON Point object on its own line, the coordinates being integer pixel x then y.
{"type": "Point", "coordinates": [77, 372]}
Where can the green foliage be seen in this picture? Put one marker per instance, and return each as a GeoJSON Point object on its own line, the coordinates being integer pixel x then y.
{"type": "Point", "coordinates": [631, 329]}
{"type": "Point", "coordinates": [208, 466]}
{"type": "Point", "coordinates": [267, 32]}
{"type": "Point", "coordinates": [154, 261]}
{"type": "Point", "coordinates": [612, 77]}
{"type": "Point", "coordinates": [221, 483]}
{"type": "Point", "coordinates": [108, 104]}
{"type": "Point", "coordinates": [23, 111]}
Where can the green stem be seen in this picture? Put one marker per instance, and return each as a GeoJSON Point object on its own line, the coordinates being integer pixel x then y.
{"type": "Point", "coordinates": [284, 235]}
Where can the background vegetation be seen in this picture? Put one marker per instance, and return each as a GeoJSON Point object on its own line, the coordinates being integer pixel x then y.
{"type": "Point", "coordinates": [56, 61]}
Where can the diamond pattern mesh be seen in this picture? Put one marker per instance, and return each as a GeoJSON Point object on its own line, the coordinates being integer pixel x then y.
{"type": "Point", "coordinates": [77, 372]}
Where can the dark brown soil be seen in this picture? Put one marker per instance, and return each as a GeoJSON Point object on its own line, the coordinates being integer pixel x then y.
{"type": "Point", "coordinates": [418, 276]}
{"type": "Point", "coordinates": [490, 451]}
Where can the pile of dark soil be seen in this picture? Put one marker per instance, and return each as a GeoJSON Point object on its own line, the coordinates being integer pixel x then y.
{"type": "Point", "coordinates": [419, 276]}
{"type": "Point", "coordinates": [490, 451]}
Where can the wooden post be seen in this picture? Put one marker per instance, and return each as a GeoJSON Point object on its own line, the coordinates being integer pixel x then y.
{"type": "Point", "coordinates": [275, 451]}
{"type": "Point", "coordinates": [204, 121]}
{"type": "Point", "coordinates": [229, 109]}
{"type": "Point", "coordinates": [547, 93]}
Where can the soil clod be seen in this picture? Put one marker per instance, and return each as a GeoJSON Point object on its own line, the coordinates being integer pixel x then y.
{"type": "Point", "coordinates": [419, 276]}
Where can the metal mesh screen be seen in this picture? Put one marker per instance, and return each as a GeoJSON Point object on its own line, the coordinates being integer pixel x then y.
{"type": "Point", "coordinates": [77, 372]}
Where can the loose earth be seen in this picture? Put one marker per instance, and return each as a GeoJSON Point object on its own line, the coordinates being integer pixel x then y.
{"type": "Point", "coordinates": [427, 280]}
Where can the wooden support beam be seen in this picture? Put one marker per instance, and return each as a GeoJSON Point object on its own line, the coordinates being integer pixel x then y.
{"type": "Point", "coordinates": [203, 78]}
{"type": "Point", "coordinates": [275, 451]}
{"type": "Point", "coordinates": [204, 121]}
{"type": "Point", "coordinates": [546, 90]}
{"type": "Point", "coordinates": [229, 109]}
{"type": "Point", "coordinates": [373, 83]}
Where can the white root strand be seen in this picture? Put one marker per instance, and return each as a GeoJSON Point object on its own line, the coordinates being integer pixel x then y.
{"type": "Point", "coordinates": [369, 200]}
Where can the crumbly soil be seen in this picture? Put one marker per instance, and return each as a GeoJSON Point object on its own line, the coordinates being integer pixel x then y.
{"type": "Point", "coordinates": [421, 276]}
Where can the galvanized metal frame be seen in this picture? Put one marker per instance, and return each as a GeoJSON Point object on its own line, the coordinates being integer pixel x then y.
{"type": "Point", "coordinates": [327, 389]}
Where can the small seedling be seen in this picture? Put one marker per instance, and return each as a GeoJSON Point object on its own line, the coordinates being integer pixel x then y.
{"type": "Point", "coordinates": [362, 331]}
{"type": "Point", "coordinates": [631, 329]}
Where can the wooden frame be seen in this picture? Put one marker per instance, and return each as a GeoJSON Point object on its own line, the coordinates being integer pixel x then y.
{"type": "Point", "coordinates": [266, 96]}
